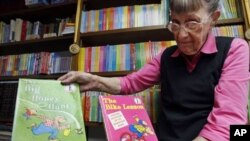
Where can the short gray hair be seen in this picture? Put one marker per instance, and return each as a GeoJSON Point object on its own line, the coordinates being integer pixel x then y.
{"type": "Point", "coordinates": [184, 6]}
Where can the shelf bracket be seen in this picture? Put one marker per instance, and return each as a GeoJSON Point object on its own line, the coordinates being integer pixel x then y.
{"type": "Point", "coordinates": [75, 48]}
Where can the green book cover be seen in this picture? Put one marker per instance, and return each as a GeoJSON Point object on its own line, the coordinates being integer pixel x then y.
{"type": "Point", "coordinates": [48, 111]}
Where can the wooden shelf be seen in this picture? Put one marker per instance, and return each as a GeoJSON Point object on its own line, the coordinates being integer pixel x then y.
{"type": "Point", "coordinates": [36, 41]}
{"type": "Point", "coordinates": [112, 74]}
{"type": "Point", "coordinates": [138, 34]}
{"type": "Point", "coordinates": [11, 78]}
{"type": "Point", "coordinates": [55, 76]}
{"type": "Point", "coordinates": [99, 4]}
{"type": "Point", "coordinates": [235, 21]}
{"type": "Point", "coordinates": [42, 13]}
{"type": "Point", "coordinates": [61, 43]}
{"type": "Point", "coordinates": [128, 35]}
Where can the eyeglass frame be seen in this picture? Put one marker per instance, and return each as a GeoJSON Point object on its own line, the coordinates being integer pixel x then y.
{"type": "Point", "coordinates": [185, 27]}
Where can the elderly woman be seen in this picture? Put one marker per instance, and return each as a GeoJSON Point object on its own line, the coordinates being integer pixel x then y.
{"type": "Point", "coordinates": [204, 79]}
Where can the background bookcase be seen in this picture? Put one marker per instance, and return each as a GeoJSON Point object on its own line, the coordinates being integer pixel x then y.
{"type": "Point", "coordinates": [48, 13]}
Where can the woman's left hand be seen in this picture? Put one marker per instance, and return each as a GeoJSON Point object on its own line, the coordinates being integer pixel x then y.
{"type": "Point", "coordinates": [199, 138]}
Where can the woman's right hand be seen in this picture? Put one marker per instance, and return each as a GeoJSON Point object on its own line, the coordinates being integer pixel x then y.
{"type": "Point", "coordinates": [90, 82]}
{"type": "Point", "coordinates": [85, 80]}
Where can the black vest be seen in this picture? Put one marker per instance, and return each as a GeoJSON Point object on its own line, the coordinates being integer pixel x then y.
{"type": "Point", "coordinates": [188, 97]}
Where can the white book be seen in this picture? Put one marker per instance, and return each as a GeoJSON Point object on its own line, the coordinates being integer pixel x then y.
{"type": "Point", "coordinates": [18, 29]}
{"type": "Point", "coordinates": [12, 30]}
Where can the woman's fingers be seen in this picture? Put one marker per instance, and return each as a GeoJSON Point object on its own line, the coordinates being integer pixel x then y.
{"type": "Point", "coordinates": [70, 77]}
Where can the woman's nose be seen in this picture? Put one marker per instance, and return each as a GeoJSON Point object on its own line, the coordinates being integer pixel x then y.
{"type": "Point", "coordinates": [182, 33]}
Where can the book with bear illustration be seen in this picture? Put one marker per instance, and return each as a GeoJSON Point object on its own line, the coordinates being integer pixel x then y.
{"type": "Point", "coordinates": [48, 111]}
{"type": "Point", "coordinates": [126, 119]}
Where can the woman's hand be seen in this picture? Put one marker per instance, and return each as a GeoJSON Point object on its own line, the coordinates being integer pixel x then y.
{"type": "Point", "coordinates": [85, 80]}
{"type": "Point", "coordinates": [75, 77]}
{"type": "Point", "coordinates": [90, 82]}
{"type": "Point", "coordinates": [199, 138]}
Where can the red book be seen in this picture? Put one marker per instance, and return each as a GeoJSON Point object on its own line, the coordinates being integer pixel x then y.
{"type": "Point", "coordinates": [133, 57]}
{"type": "Point", "coordinates": [24, 30]}
{"type": "Point", "coordinates": [87, 107]}
{"type": "Point", "coordinates": [126, 119]}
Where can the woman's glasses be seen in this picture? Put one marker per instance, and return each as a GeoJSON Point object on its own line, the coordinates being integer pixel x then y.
{"type": "Point", "coordinates": [190, 26]}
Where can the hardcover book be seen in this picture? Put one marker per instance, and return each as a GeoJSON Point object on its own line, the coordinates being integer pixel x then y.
{"type": "Point", "coordinates": [48, 111]}
{"type": "Point", "coordinates": [125, 119]}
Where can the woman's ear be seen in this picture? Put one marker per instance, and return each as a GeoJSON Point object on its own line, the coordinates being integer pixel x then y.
{"type": "Point", "coordinates": [216, 15]}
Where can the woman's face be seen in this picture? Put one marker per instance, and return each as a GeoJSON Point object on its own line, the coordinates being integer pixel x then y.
{"type": "Point", "coordinates": [193, 31]}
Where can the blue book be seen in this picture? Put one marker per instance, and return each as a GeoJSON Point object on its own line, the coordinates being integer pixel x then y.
{"type": "Point", "coordinates": [100, 22]}
{"type": "Point", "coordinates": [6, 33]}
{"type": "Point", "coordinates": [107, 58]}
{"type": "Point", "coordinates": [114, 50]}
{"type": "Point", "coordinates": [119, 22]}
{"type": "Point", "coordinates": [127, 56]}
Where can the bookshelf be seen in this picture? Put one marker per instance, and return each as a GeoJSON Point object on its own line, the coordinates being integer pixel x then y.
{"type": "Point", "coordinates": [45, 14]}
{"type": "Point", "coordinates": [48, 13]}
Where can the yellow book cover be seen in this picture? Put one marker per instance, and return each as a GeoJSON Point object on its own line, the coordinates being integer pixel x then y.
{"type": "Point", "coordinates": [97, 13]}
{"type": "Point", "coordinates": [125, 17]}
{"type": "Point", "coordinates": [97, 59]}
{"type": "Point", "coordinates": [118, 57]}
{"type": "Point", "coordinates": [81, 60]}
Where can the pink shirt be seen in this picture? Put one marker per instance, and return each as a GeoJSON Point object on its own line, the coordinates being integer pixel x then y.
{"type": "Point", "coordinates": [231, 93]}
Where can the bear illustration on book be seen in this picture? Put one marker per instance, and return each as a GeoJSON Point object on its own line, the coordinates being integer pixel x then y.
{"type": "Point", "coordinates": [138, 130]}
{"type": "Point", "coordinates": [50, 126]}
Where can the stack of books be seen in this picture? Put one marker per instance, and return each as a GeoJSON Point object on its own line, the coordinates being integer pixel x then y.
{"type": "Point", "coordinates": [5, 132]}
{"type": "Point", "coordinates": [34, 3]}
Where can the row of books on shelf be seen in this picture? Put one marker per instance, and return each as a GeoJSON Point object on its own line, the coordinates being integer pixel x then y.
{"type": "Point", "coordinates": [229, 9]}
{"type": "Point", "coordinates": [32, 3]}
{"type": "Point", "coordinates": [230, 31]}
{"type": "Point", "coordinates": [92, 110]}
{"type": "Point", "coordinates": [123, 57]}
{"type": "Point", "coordinates": [140, 16]}
{"type": "Point", "coordinates": [35, 63]}
{"type": "Point", "coordinates": [20, 30]}
{"type": "Point", "coordinates": [125, 17]}
{"type": "Point", "coordinates": [5, 132]}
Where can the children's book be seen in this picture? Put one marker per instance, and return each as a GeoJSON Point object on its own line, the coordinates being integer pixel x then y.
{"type": "Point", "coordinates": [48, 111]}
{"type": "Point", "coordinates": [125, 119]}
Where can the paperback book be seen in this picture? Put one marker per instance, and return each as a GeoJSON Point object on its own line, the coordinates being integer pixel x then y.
{"type": "Point", "coordinates": [48, 111]}
{"type": "Point", "coordinates": [125, 119]}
